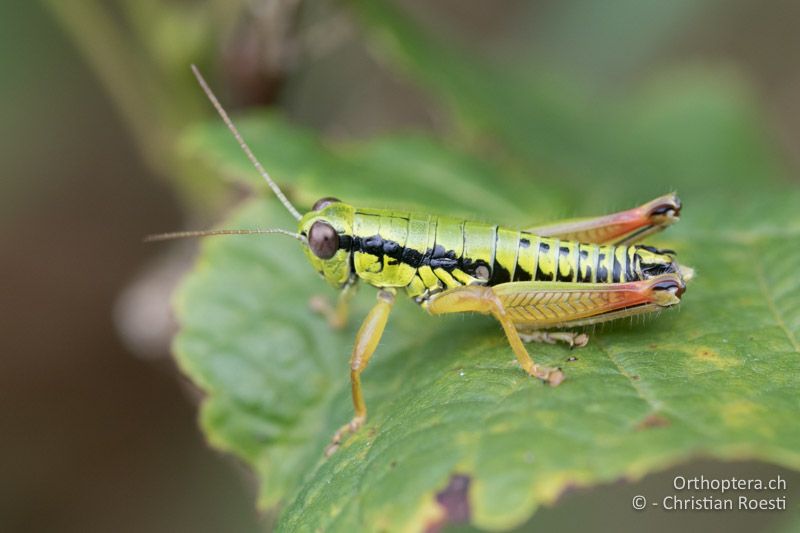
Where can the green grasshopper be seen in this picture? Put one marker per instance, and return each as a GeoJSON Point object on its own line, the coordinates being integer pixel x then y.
{"type": "Point", "coordinates": [569, 273]}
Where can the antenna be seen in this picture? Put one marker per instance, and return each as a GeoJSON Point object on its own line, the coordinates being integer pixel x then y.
{"type": "Point", "coordinates": [245, 148]}
{"type": "Point", "coordinates": [209, 233]}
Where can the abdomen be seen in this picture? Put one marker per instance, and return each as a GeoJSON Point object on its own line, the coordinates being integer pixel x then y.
{"type": "Point", "coordinates": [428, 253]}
{"type": "Point", "coordinates": [548, 259]}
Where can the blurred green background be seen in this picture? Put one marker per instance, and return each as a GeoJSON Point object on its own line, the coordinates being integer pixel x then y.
{"type": "Point", "coordinates": [98, 429]}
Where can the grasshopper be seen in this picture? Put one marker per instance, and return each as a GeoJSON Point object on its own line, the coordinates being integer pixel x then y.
{"type": "Point", "coordinates": [565, 274]}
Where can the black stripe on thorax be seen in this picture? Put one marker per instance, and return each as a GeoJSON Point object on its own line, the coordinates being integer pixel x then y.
{"type": "Point", "coordinates": [436, 257]}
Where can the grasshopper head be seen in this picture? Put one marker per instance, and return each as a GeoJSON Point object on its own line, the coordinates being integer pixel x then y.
{"type": "Point", "coordinates": [328, 229]}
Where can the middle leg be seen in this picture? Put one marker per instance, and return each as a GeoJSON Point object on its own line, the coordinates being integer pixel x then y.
{"type": "Point", "coordinates": [551, 337]}
{"type": "Point", "coordinates": [335, 315]}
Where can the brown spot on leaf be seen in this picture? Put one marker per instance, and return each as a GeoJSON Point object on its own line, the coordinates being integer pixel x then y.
{"type": "Point", "coordinates": [454, 502]}
{"type": "Point", "coordinates": [711, 356]}
{"type": "Point", "coordinates": [653, 420]}
{"type": "Point", "coordinates": [706, 353]}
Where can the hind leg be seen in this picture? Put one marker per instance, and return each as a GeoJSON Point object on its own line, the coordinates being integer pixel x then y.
{"type": "Point", "coordinates": [625, 227]}
{"type": "Point", "coordinates": [477, 298]}
{"type": "Point", "coordinates": [535, 305]}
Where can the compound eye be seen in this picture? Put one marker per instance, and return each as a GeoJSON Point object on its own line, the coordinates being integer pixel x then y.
{"type": "Point", "coordinates": [323, 240]}
{"type": "Point", "coordinates": [323, 202]}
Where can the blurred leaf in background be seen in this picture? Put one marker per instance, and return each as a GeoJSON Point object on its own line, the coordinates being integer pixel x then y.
{"type": "Point", "coordinates": [141, 51]}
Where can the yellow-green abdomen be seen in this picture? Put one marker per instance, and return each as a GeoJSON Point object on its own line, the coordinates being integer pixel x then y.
{"type": "Point", "coordinates": [549, 259]}
{"type": "Point", "coordinates": [427, 253]}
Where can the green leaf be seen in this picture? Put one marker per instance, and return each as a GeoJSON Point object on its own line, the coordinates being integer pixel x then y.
{"type": "Point", "coordinates": [448, 406]}
{"type": "Point", "coordinates": [718, 378]}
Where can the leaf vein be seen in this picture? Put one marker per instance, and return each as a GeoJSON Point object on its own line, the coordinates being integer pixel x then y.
{"type": "Point", "coordinates": [762, 284]}
{"type": "Point", "coordinates": [654, 407]}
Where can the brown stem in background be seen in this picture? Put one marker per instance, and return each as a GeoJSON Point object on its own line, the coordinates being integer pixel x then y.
{"type": "Point", "coordinates": [129, 81]}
